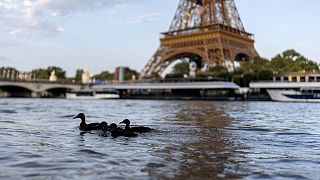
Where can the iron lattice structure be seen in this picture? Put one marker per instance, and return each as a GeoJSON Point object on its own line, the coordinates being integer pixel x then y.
{"type": "Point", "coordinates": [210, 30]}
{"type": "Point", "coordinates": [222, 12]}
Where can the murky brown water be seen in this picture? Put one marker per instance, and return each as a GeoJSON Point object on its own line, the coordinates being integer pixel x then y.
{"type": "Point", "coordinates": [192, 140]}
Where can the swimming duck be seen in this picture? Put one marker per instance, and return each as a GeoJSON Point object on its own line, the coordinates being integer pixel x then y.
{"type": "Point", "coordinates": [87, 127]}
{"type": "Point", "coordinates": [116, 132]}
{"type": "Point", "coordinates": [104, 126]}
{"type": "Point", "coordinates": [139, 129]}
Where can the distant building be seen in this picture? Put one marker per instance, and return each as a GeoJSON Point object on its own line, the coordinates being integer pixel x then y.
{"type": "Point", "coordinates": [9, 73]}
{"type": "Point", "coordinates": [25, 76]}
{"type": "Point", "coordinates": [14, 74]}
{"type": "Point", "coordinates": [86, 77]}
{"type": "Point", "coordinates": [119, 74]}
{"type": "Point", "coordinates": [297, 77]}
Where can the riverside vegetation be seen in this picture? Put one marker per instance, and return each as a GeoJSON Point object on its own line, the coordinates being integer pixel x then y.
{"type": "Point", "coordinates": [258, 69]}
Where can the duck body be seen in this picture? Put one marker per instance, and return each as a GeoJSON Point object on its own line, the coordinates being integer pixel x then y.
{"type": "Point", "coordinates": [121, 132]}
{"type": "Point", "coordinates": [87, 127]}
{"type": "Point", "coordinates": [138, 129]}
{"type": "Point", "coordinates": [116, 132]}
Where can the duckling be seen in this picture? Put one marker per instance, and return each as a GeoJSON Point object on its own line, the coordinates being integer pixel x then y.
{"type": "Point", "coordinates": [112, 127]}
{"type": "Point", "coordinates": [139, 129]}
{"type": "Point", "coordinates": [104, 126]}
{"type": "Point", "coordinates": [116, 132]}
{"type": "Point", "coordinates": [87, 127]}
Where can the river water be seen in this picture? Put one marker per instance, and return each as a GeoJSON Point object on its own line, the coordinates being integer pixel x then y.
{"type": "Point", "coordinates": [192, 139]}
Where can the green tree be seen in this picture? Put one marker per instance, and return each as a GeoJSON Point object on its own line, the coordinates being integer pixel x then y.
{"type": "Point", "coordinates": [264, 75]}
{"type": "Point", "coordinates": [104, 75]}
{"type": "Point", "coordinates": [45, 73]}
{"type": "Point", "coordinates": [5, 71]}
{"type": "Point", "coordinates": [78, 76]}
{"type": "Point", "coordinates": [60, 73]}
{"type": "Point", "coordinates": [218, 69]}
{"type": "Point", "coordinates": [292, 61]}
{"type": "Point", "coordinates": [181, 68]}
{"type": "Point", "coordinates": [249, 77]}
{"type": "Point", "coordinates": [220, 72]}
{"type": "Point", "coordinates": [40, 73]}
{"type": "Point", "coordinates": [257, 64]}
{"type": "Point", "coordinates": [174, 76]}
{"type": "Point", "coordinates": [217, 72]}
{"type": "Point", "coordinates": [8, 68]}
{"type": "Point", "coordinates": [262, 68]}
{"type": "Point", "coordinates": [129, 73]}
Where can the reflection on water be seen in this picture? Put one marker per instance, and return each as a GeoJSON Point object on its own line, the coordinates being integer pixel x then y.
{"type": "Point", "coordinates": [207, 153]}
{"type": "Point", "coordinates": [193, 139]}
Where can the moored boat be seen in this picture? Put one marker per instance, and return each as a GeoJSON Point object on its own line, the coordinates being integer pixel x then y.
{"type": "Point", "coordinates": [93, 94]}
{"type": "Point", "coordinates": [289, 91]}
{"type": "Point", "coordinates": [304, 95]}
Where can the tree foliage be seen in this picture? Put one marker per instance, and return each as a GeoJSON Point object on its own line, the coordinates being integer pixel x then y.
{"type": "Point", "coordinates": [5, 71]}
{"type": "Point", "coordinates": [78, 77]}
{"type": "Point", "coordinates": [263, 69]}
{"type": "Point", "coordinates": [45, 73]}
{"type": "Point", "coordinates": [8, 68]}
{"type": "Point", "coordinates": [104, 75]}
{"type": "Point", "coordinates": [292, 61]}
{"type": "Point", "coordinates": [257, 69]}
{"type": "Point", "coordinates": [129, 73]}
{"type": "Point", "coordinates": [217, 72]}
{"type": "Point", "coordinates": [174, 76]}
{"type": "Point", "coordinates": [181, 68]}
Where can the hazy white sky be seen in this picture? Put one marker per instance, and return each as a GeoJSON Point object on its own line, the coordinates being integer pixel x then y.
{"type": "Point", "coordinates": [103, 34]}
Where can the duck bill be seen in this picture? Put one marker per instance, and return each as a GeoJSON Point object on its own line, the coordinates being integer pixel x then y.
{"type": "Point", "coordinates": [75, 117]}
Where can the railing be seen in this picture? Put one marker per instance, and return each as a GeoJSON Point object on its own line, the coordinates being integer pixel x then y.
{"type": "Point", "coordinates": [215, 27]}
{"type": "Point", "coordinates": [170, 80]}
{"type": "Point", "coordinates": [40, 81]}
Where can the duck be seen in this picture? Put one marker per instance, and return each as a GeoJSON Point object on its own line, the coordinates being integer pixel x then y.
{"type": "Point", "coordinates": [138, 129]}
{"type": "Point", "coordinates": [87, 127]}
{"type": "Point", "coordinates": [104, 126]}
{"type": "Point", "coordinates": [116, 132]}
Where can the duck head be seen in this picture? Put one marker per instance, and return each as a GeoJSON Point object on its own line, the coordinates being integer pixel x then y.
{"type": "Point", "coordinates": [113, 126]}
{"type": "Point", "coordinates": [126, 122]}
{"type": "Point", "coordinates": [80, 116]}
{"type": "Point", "coordinates": [103, 125]}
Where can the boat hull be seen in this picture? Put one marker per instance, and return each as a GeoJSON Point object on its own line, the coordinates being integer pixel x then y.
{"type": "Point", "coordinates": [292, 96]}
{"type": "Point", "coordinates": [96, 96]}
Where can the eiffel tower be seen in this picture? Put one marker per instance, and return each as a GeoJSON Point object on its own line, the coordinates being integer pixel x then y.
{"type": "Point", "coordinates": [207, 32]}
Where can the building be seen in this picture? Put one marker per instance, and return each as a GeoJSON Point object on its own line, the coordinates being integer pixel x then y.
{"type": "Point", "coordinates": [297, 77]}
{"type": "Point", "coordinates": [86, 77]}
{"type": "Point", "coordinates": [25, 76]}
{"type": "Point", "coordinates": [119, 74]}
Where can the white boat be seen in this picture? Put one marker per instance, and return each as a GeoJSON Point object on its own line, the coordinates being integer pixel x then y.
{"type": "Point", "coordinates": [289, 91]}
{"type": "Point", "coordinates": [304, 95]}
{"type": "Point", "coordinates": [93, 94]}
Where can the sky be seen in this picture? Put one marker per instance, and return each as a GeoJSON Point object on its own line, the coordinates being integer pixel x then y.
{"type": "Point", "coordinates": [102, 34]}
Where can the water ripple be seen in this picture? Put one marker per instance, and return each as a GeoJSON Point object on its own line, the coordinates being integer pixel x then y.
{"type": "Point", "coordinates": [8, 111]}
{"type": "Point", "coordinates": [90, 152]}
{"type": "Point", "coordinates": [192, 140]}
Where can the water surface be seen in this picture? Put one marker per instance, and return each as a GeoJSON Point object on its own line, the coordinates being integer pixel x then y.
{"type": "Point", "coordinates": [192, 139]}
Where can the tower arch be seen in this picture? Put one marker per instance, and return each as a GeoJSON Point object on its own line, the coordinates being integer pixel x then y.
{"type": "Point", "coordinates": [211, 29]}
